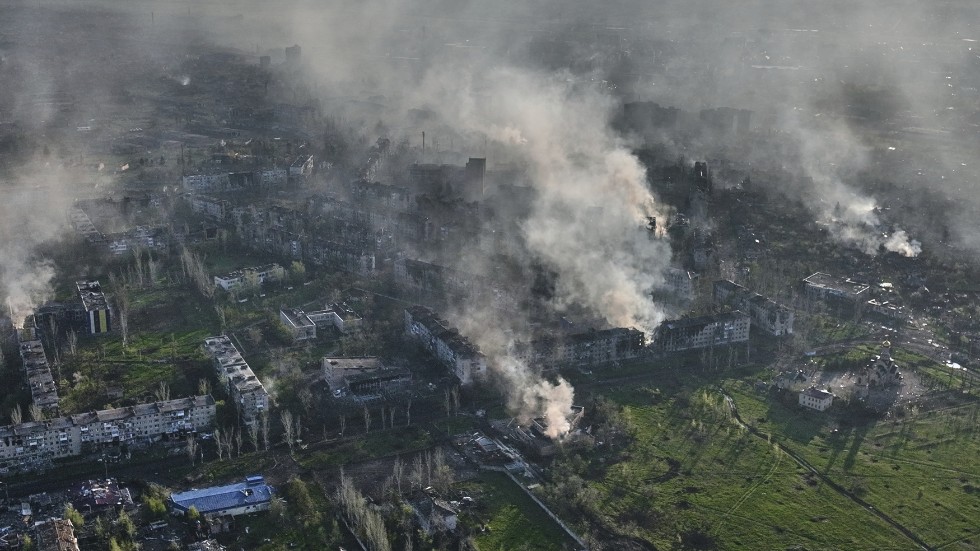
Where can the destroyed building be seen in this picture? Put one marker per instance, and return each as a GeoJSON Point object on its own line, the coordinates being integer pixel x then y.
{"type": "Point", "coordinates": [767, 315]}
{"type": "Point", "coordinates": [243, 386]}
{"type": "Point", "coordinates": [593, 347]}
{"type": "Point", "coordinates": [452, 349]}
{"type": "Point", "coordinates": [99, 317]}
{"type": "Point", "coordinates": [702, 332]}
{"type": "Point", "coordinates": [827, 288]}
{"type": "Point", "coordinates": [363, 376]}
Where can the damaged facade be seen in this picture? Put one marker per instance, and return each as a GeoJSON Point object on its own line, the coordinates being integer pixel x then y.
{"type": "Point", "coordinates": [243, 386]}
{"type": "Point", "coordinates": [767, 315]}
{"type": "Point", "coordinates": [445, 342]}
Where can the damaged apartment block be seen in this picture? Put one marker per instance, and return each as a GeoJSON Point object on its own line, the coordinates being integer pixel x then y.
{"type": "Point", "coordinates": [455, 351]}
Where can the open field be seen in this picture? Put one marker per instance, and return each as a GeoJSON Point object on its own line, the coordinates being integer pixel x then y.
{"type": "Point", "coordinates": [512, 520]}
{"type": "Point", "coordinates": [692, 474]}
{"type": "Point", "coordinates": [918, 465]}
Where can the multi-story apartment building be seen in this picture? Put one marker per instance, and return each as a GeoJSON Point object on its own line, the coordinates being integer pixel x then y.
{"type": "Point", "coordinates": [98, 315]}
{"type": "Point", "coordinates": [768, 315]}
{"type": "Point", "coordinates": [455, 351]}
{"type": "Point", "coordinates": [702, 332]}
{"type": "Point", "coordinates": [589, 347]}
{"type": "Point", "coordinates": [37, 372]}
{"type": "Point", "coordinates": [248, 276]}
{"type": "Point", "coordinates": [70, 435]}
{"type": "Point", "coordinates": [244, 388]}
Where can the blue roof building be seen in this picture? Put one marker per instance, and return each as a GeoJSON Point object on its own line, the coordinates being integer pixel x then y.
{"type": "Point", "coordinates": [250, 496]}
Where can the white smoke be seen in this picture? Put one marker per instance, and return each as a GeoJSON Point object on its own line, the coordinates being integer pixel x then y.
{"type": "Point", "coordinates": [586, 223]}
{"type": "Point", "coordinates": [829, 152]}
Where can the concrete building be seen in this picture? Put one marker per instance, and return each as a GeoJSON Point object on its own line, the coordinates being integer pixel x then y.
{"type": "Point", "coordinates": [218, 209]}
{"type": "Point", "coordinates": [258, 275]}
{"type": "Point", "coordinates": [584, 348]}
{"type": "Point", "coordinates": [199, 183]}
{"type": "Point", "coordinates": [244, 388]}
{"type": "Point", "coordinates": [250, 496]}
{"type": "Point", "coordinates": [273, 177]}
{"type": "Point", "coordinates": [434, 515]}
{"type": "Point", "coordinates": [825, 287]}
{"type": "Point", "coordinates": [300, 326]}
{"type": "Point", "coordinates": [453, 350]}
{"type": "Point", "coordinates": [302, 165]}
{"type": "Point", "coordinates": [37, 372]}
{"type": "Point", "coordinates": [71, 435]}
{"type": "Point", "coordinates": [681, 284]}
{"type": "Point", "coordinates": [55, 534]}
{"type": "Point", "coordinates": [363, 376]}
{"type": "Point", "coordinates": [815, 398]}
{"type": "Point", "coordinates": [99, 317]}
{"type": "Point", "coordinates": [767, 315]}
{"type": "Point", "coordinates": [702, 332]}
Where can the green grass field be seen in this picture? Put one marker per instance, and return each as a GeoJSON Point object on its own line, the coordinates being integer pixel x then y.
{"type": "Point", "coordinates": [920, 468]}
{"type": "Point", "coordinates": [511, 519]}
{"type": "Point", "coordinates": [692, 475]}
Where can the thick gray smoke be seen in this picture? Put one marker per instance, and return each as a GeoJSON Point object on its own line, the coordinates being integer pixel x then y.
{"type": "Point", "coordinates": [586, 224]}
{"type": "Point", "coordinates": [31, 213]}
{"type": "Point", "coordinates": [829, 153]}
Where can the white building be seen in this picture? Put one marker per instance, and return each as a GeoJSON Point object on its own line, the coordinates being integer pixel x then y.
{"type": "Point", "coordinates": [258, 275]}
{"type": "Point", "coordinates": [815, 398]}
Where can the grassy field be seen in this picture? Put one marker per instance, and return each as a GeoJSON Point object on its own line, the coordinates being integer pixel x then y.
{"type": "Point", "coordinates": [512, 520]}
{"type": "Point", "coordinates": [376, 444]}
{"type": "Point", "coordinates": [918, 466]}
{"type": "Point", "coordinates": [692, 476]}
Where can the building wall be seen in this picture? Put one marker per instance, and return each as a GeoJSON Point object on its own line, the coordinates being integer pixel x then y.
{"type": "Point", "coordinates": [65, 436]}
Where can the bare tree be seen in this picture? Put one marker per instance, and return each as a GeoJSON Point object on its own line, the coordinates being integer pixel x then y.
{"type": "Point", "coordinates": [367, 419]}
{"type": "Point", "coordinates": [286, 418]}
{"type": "Point", "coordinates": [443, 476]}
{"type": "Point", "coordinates": [72, 342]}
{"type": "Point", "coordinates": [36, 413]}
{"type": "Point", "coordinates": [454, 398]}
{"type": "Point", "coordinates": [343, 424]}
{"type": "Point", "coordinates": [218, 309]}
{"type": "Point", "coordinates": [162, 393]}
{"type": "Point", "coordinates": [397, 471]}
{"type": "Point", "coordinates": [417, 475]}
{"type": "Point", "coordinates": [408, 412]}
{"type": "Point", "coordinates": [227, 436]}
{"type": "Point", "coordinates": [265, 429]}
{"type": "Point", "coordinates": [305, 396]}
{"type": "Point", "coordinates": [16, 415]}
{"type": "Point", "coordinates": [123, 314]}
{"type": "Point", "coordinates": [191, 449]}
{"type": "Point", "coordinates": [218, 442]}
{"type": "Point", "coordinates": [238, 443]}
{"type": "Point", "coordinates": [253, 435]}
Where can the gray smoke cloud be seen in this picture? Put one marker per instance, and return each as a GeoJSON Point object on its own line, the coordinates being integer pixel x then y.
{"type": "Point", "coordinates": [586, 222]}
{"type": "Point", "coordinates": [32, 212]}
{"type": "Point", "coordinates": [828, 153]}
